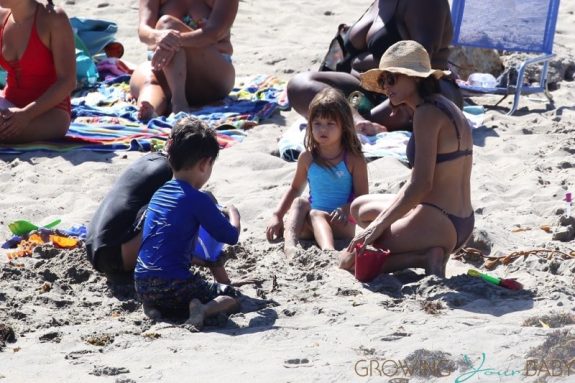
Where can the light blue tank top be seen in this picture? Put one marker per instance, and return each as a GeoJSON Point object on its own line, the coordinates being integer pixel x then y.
{"type": "Point", "coordinates": [329, 188]}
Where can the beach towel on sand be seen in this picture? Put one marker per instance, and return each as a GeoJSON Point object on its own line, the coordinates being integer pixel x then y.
{"type": "Point", "coordinates": [104, 121]}
{"type": "Point", "coordinates": [387, 144]}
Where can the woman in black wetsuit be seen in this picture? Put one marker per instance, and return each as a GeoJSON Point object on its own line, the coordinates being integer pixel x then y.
{"type": "Point", "coordinates": [384, 23]}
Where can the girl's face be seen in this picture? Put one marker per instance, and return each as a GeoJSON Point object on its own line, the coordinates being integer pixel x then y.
{"type": "Point", "coordinates": [326, 131]}
{"type": "Point", "coordinates": [397, 87]}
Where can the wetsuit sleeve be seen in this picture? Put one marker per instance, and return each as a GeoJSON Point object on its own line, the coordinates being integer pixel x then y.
{"type": "Point", "coordinates": [215, 223]}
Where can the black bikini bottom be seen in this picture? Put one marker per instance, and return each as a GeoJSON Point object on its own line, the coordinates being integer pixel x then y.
{"type": "Point", "coordinates": [463, 226]}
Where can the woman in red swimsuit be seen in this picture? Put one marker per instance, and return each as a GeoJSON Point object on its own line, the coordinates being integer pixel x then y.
{"type": "Point", "coordinates": [37, 51]}
{"type": "Point", "coordinates": [190, 58]}
{"type": "Point", "coordinates": [431, 216]}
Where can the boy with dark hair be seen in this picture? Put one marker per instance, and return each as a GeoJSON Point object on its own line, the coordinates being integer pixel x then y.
{"type": "Point", "coordinates": [163, 279]}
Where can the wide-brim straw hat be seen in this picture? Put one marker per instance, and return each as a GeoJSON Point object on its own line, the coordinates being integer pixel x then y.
{"type": "Point", "coordinates": [404, 57]}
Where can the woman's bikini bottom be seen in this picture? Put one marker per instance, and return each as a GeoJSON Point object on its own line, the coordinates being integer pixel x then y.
{"type": "Point", "coordinates": [463, 226]}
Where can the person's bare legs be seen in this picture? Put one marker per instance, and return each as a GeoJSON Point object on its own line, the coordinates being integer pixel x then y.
{"type": "Point", "coordinates": [147, 89]}
{"type": "Point", "coordinates": [295, 227]}
{"type": "Point", "coordinates": [199, 312]}
{"type": "Point", "coordinates": [326, 232]}
{"type": "Point", "coordinates": [303, 87]}
{"type": "Point", "coordinates": [49, 125]}
{"type": "Point", "coordinates": [423, 238]}
{"type": "Point", "coordinates": [322, 231]}
{"type": "Point", "coordinates": [175, 73]}
{"type": "Point", "coordinates": [364, 209]}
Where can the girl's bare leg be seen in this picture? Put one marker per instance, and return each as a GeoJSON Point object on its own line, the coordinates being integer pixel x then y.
{"type": "Point", "coordinates": [296, 227]}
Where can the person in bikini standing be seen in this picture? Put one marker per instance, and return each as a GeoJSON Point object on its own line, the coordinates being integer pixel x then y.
{"type": "Point", "coordinates": [37, 51]}
{"type": "Point", "coordinates": [384, 23]}
{"type": "Point", "coordinates": [190, 44]}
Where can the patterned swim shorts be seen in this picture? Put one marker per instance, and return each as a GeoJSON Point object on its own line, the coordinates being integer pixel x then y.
{"type": "Point", "coordinates": [173, 296]}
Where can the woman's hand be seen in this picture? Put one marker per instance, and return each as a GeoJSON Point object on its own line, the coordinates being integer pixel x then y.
{"type": "Point", "coordinates": [13, 120]}
{"type": "Point", "coordinates": [369, 128]}
{"type": "Point", "coordinates": [338, 215]}
{"type": "Point", "coordinates": [275, 228]}
{"type": "Point", "coordinates": [161, 58]}
{"type": "Point", "coordinates": [367, 237]}
{"type": "Point", "coordinates": [168, 39]}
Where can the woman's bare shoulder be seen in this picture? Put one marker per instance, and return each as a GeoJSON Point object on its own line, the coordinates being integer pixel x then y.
{"type": "Point", "coordinates": [53, 13]}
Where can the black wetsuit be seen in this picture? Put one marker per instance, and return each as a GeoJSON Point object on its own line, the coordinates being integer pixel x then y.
{"type": "Point", "coordinates": [115, 221]}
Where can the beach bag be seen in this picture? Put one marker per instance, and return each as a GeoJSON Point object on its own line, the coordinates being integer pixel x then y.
{"type": "Point", "coordinates": [86, 71]}
{"type": "Point", "coordinates": [335, 58]}
{"type": "Point", "coordinates": [95, 33]}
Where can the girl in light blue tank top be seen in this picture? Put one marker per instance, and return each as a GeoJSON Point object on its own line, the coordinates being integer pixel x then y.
{"type": "Point", "coordinates": [334, 167]}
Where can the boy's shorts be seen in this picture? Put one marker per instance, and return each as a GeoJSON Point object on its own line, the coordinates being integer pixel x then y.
{"type": "Point", "coordinates": [173, 296]}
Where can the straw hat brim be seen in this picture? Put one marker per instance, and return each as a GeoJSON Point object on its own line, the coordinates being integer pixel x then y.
{"type": "Point", "coordinates": [369, 78]}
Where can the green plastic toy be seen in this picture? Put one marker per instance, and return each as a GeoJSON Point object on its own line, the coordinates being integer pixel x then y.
{"type": "Point", "coordinates": [22, 227]}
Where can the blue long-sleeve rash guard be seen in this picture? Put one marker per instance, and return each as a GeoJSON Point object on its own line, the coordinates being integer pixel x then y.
{"type": "Point", "coordinates": [173, 218]}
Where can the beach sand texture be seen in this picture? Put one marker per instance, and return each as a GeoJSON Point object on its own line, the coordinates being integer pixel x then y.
{"type": "Point", "coordinates": [307, 320]}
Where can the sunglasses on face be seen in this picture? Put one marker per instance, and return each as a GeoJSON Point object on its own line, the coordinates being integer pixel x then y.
{"type": "Point", "coordinates": [387, 78]}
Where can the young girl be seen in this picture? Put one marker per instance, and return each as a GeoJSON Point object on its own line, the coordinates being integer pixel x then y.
{"type": "Point", "coordinates": [336, 171]}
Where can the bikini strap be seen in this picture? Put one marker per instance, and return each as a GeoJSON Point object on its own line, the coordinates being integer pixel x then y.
{"type": "Point", "coordinates": [449, 115]}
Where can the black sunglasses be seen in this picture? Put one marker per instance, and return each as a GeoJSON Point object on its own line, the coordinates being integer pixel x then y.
{"type": "Point", "coordinates": [387, 78]}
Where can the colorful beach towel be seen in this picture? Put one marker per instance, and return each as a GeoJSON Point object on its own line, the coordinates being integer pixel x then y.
{"type": "Point", "coordinates": [103, 119]}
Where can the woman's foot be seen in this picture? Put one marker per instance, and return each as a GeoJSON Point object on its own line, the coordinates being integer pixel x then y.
{"type": "Point", "coordinates": [197, 314]}
{"type": "Point", "coordinates": [146, 111]}
{"type": "Point", "coordinates": [436, 262]}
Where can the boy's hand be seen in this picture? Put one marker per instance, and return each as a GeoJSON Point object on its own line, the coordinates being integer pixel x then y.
{"type": "Point", "coordinates": [233, 214]}
{"type": "Point", "coordinates": [275, 228]}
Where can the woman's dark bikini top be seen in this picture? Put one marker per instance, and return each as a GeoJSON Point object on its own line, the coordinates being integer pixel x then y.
{"type": "Point", "coordinates": [441, 157]}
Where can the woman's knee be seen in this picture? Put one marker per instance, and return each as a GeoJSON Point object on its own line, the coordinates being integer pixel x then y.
{"type": "Point", "coordinates": [299, 82]}
{"type": "Point", "coordinates": [168, 22]}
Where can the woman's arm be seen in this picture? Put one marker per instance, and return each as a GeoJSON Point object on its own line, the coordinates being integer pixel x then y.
{"type": "Point", "coordinates": [64, 54]}
{"type": "Point", "coordinates": [217, 26]}
{"type": "Point", "coordinates": [275, 226]}
{"type": "Point", "coordinates": [426, 125]}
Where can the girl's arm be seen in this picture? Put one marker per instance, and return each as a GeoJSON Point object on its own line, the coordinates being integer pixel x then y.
{"type": "Point", "coordinates": [217, 26]}
{"type": "Point", "coordinates": [426, 125]}
{"type": "Point", "coordinates": [299, 181]}
{"type": "Point", "coordinates": [64, 54]}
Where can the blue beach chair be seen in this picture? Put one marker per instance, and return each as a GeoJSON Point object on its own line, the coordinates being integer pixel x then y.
{"type": "Point", "coordinates": [510, 25]}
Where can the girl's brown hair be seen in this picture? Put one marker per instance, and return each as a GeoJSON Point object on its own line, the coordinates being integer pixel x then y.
{"type": "Point", "coordinates": [331, 103]}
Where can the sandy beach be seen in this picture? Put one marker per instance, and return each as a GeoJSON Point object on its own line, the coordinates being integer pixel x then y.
{"type": "Point", "coordinates": [308, 321]}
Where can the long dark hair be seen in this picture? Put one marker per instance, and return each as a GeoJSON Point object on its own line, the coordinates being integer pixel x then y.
{"type": "Point", "coordinates": [428, 87]}
{"type": "Point", "coordinates": [331, 103]}
{"type": "Point", "coordinates": [51, 2]}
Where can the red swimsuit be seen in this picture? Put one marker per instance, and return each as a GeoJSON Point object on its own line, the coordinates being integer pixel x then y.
{"type": "Point", "coordinates": [29, 77]}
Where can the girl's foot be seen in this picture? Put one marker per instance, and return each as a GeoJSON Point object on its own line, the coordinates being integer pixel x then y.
{"type": "Point", "coordinates": [146, 111]}
{"type": "Point", "coordinates": [197, 314]}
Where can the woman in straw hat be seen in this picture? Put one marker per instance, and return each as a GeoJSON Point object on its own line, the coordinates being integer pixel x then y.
{"type": "Point", "coordinates": [431, 216]}
{"type": "Point", "coordinates": [383, 24]}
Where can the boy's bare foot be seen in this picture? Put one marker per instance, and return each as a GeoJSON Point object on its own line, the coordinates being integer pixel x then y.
{"type": "Point", "coordinates": [197, 314]}
{"type": "Point", "coordinates": [146, 111]}
{"type": "Point", "coordinates": [152, 312]}
{"type": "Point", "coordinates": [435, 262]}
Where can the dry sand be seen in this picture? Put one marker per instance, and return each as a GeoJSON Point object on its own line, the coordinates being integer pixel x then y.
{"type": "Point", "coordinates": [307, 321]}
